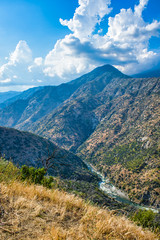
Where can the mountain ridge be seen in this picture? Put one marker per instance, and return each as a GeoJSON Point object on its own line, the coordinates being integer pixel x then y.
{"type": "Point", "coordinates": [4, 96]}
{"type": "Point", "coordinates": [20, 96]}
{"type": "Point", "coordinates": [25, 148]}
{"type": "Point", "coordinates": [148, 74]}
{"type": "Point", "coordinates": [121, 119]}
{"type": "Point", "coordinates": [81, 102]}
{"type": "Point", "coordinates": [110, 120]}
{"type": "Point", "coordinates": [37, 102]}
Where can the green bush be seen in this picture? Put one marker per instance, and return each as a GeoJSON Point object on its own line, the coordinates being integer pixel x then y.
{"type": "Point", "coordinates": [8, 171]}
{"type": "Point", "coordinates": [147, 219]}
{"type": "Point", "coordinates": [48, 182]}
{"type": "Point", "coordinates": [35, 175]}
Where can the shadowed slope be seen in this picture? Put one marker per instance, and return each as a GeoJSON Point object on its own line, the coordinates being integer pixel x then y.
{"type": "Point", "coordinates": [31, 105]}
{"type": "Point", "coordinates": [72, 123]}
{"type": "Point", "coordinates": [30, 149]}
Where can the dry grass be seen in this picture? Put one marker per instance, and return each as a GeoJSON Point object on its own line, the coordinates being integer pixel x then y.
{"type": "Point", "coordinates": [33, 212]}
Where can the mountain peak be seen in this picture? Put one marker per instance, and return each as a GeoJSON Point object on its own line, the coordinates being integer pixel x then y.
{"type": "Point", "coordinates": [97, 72]}
{"type": "Point", "coordinates": [107, 68]}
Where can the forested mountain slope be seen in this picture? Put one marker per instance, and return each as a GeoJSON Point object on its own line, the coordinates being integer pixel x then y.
{"type": "Point", "coordinates": [25, 148]}
{"type": "Point", "coordinates": [31, 105]}
{"type": "Point", "coordinates": [6, 95]}
{"type": "Point", "coordinates": [116, 128]}
{"type": "Point", "coordinates": [72, 123]}
{"type": "Point", "coordinates": [108, 119]}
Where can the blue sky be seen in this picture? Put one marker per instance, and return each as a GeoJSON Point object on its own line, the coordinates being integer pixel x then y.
{"type": "Point", "coordinates": [36, 22]}
{"type": "Point", "coordinates": [54, 41]}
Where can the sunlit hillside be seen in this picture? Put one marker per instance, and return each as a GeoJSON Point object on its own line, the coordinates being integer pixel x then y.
{"type": "Point", "coordinates": [29, 211]}
{"type": "Point", "coordinates": [33, 212]}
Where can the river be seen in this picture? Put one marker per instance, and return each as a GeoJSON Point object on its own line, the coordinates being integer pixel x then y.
{"type": "Point", "coordinates": [107, 187]}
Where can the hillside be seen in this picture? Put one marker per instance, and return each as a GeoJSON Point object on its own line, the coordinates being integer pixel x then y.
{"type": "Point", "coordinates": [30, 106]}
{"type": "Point", "coordinates": [28, 149]}
{"type": "Point", "coordinates": [114, 126]}
{"type": "Point", "coordinates": [125, 145]}
{"type": "Point", "coordinates": [34, 212]}
{"type": "Point", "coordinates": [72, 123]}
{"type": "Point", "coordinates": [108, 119]}
{"type": "Point", "coordinates": [6, 95]}
{"type": "Point", "coordinates": [17, 96]}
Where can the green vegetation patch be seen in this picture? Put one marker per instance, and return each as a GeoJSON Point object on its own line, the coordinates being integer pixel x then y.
{"type": "Point", "coordinates": [88, 191]}
{"type": "Point", "coordinates": [8, 171]}
{"type": "Point", "coordinates": [147, 219]}
{"type": "Point", "coordinates": [132, 156]}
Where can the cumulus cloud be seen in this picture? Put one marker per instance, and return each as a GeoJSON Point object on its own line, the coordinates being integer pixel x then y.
{"type": "Point", "coordinates": [128, 30]}
{"type": "Point", "coordinates": [38, 61]}
{"type": "Point", "coordinates": [17, 62]}
{"type": "Point", "coordinates": [125, 45]}
{"type": "Point", "coordinates": [16, 71]}
{"type": "Point", "coordinates": [67, 59]}
{"type": "Point", "coordinates": [87, 15]}
{"type": "Point", "coordinates": [139, 8]}
{"type": "Point", "coordinates": [22, 54]}
{"type": "Point", "coordinates": [70, 56]}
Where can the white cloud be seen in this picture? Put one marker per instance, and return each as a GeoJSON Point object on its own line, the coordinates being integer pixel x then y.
{"type": "Point", "coordinates": [70, 56]}
{"type": "Point", "coordinates": [16, 71]}
{"type": "Point", "coordinates": [22, 54]}
{"type": "Point", "coordinates": [36, 65]}
{"type": "Point", "coordinates": [7, 80]}
{"type": "Point", "coordinates": [139, 8]}
{"type": "Point", "coordinates": [64, 62]}
{"type": "Point", "coordinates": [38, 61]}
{"type": "Point", "coordinates": [87, 15]}
{"type": "Point", "coordinates": [128, 30]}
{"type": "Point", "coordinates": [125, 45]}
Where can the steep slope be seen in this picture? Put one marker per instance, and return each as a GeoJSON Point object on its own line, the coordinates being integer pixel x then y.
{"type": "Point", "coordinates": [125, 145]}
{"type": "Point", "coordinates": [73, 122]}
{"type": "Point", "coordinates": [113, 121]}
{"type": "Point", "coordinates": [6, 95]}
{"type": "Point", "coordinates": [115, 124]}
{"type": "Point", "coordinates": [150, 73]}
{"type": "Point", "coordinates": [19, 95]}
{"type": "Point", "coordinates": [22, 111]}
{"type": "Point", "coordinates": [26, 148]}
{"type": "Point", "coordinates": [34, 212]}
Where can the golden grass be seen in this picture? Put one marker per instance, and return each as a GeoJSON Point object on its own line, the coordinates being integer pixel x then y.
{"type": "Point", "coordinates": [34, 212]}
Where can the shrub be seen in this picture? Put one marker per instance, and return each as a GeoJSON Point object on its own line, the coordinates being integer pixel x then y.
{"type": "Point", "coordinates": [32, 174]}
{"type": "Point", "coordinates": [48, 182]}
{"type": "Point", "coordinates": [147, 219]}
{"type": "Point", "coordinates": [8, 171]}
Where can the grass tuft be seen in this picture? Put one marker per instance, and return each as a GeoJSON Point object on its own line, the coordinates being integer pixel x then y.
{"type": "Point", "coordinates": [34, 212]}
